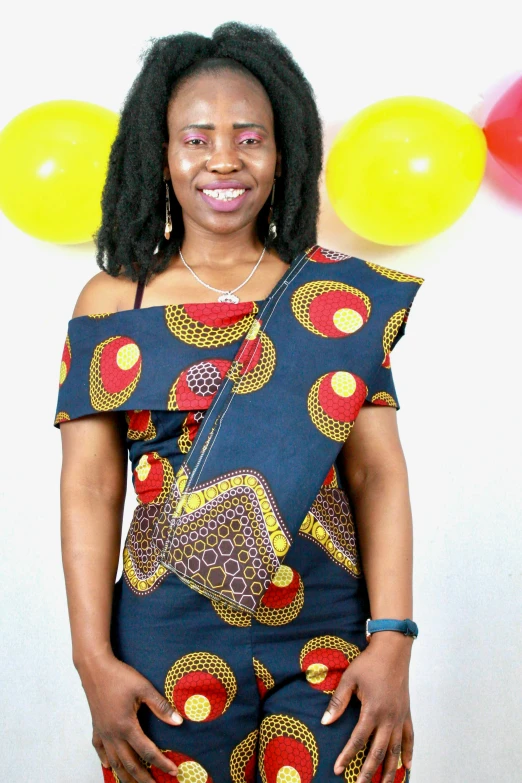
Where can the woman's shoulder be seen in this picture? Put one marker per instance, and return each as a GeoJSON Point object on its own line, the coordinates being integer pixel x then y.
{"type": "Point", "coordinates": [104, 293]}
{"type": "Point", "coordinates": [330, 258]}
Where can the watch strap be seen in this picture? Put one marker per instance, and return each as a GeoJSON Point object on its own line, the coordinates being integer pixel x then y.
{"type": "Point", "coordinates": [407, 626]}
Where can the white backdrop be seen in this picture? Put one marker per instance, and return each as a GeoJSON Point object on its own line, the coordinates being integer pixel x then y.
{"type": "Point", "coordinates": [456, 372]}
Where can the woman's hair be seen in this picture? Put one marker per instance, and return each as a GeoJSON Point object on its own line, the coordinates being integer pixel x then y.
{"type": "Point", "coordinates": [130, 240]}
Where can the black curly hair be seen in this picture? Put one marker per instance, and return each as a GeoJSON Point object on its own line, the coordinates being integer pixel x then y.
{"type": "Point", "coordinates": [130, 240]}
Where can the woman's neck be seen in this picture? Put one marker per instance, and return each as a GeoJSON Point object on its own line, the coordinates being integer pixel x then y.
{"type": "Point", "coordinates": [205, 249]}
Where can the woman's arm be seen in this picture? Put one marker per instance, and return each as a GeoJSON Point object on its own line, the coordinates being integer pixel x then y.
{"type": "Point", "coordinates": [376, 473]}
{"type": "Point", "coordinates": [377, 481]}
{"type": "Point", "coordinates": [92, 495]}
{"type": "Point", "coordinates": [92, 492]}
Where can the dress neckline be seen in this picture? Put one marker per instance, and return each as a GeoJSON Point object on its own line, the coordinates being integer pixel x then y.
{"type": "Point", "coordinates": [97, 316]}
{"type": "Point", "coordinates": [260, 302]}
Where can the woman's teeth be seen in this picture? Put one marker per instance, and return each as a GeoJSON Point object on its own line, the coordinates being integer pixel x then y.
{"type": "Point", "coordinates": [225, 194]}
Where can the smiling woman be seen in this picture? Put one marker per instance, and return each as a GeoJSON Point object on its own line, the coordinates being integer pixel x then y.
{"type": "Point", "coordinates": [264, 115]}
{"type": "Point", "coordinates": [246, 372]}
{"type": "Point", "coordinates": [228, 164]}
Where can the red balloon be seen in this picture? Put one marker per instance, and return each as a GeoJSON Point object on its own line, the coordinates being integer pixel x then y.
{"type": "Point", "coordinates": [503, 130]}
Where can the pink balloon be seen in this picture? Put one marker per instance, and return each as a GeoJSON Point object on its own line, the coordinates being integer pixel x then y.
{"type": "Point", "coordinates": [491, 94]}
{"type": "Point", "coordinates": [503, 130]}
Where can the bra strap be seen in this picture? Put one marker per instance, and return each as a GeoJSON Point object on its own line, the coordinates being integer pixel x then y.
{"type": "Point", "coordinates": [139, 293]}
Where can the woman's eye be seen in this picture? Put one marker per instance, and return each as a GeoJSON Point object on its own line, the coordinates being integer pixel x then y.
{"type": "Point", "coordinates": [250, 141]}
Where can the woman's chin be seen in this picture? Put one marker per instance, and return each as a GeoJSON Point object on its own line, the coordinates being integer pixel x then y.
{"type": "Point", "coordinates": [224, 223]}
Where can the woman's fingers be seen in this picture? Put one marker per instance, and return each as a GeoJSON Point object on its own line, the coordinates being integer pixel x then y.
{"type": "Point", "coordinates": [376, 754]}
{"type": "Point", "coordinates": [133, 764]}
{"type": "Point", "coordinates": [357, 742]}
{"type": "Point", "coordinates": [407, 741]}
{"type": "Point", "coordinates": [115, 692]}
{"type": "Point", "coordinates": [340, 698]}
{"type": "Point", "coordinates": [159, 705]}
{"type": "Point", "coordinates": [118, 766]}
{"type": "Point", "coordinates": [149, 752]}
{"type": "Point", "coordinates": [126, 760]}
{"type": "Point", "coordinates": [100, 748]}
{"type": "Point", "coordinates": [391, 761]}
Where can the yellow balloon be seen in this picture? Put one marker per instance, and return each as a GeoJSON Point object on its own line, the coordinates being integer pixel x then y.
{"type": "Point", "coordinates": [404, 169]}
{"type": "Point", "coordinates": [53, 159]}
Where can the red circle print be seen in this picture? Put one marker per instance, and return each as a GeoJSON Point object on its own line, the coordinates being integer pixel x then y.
{"type": "Point", "coordinates": [120, 363]}
{"type": "Point", "coordinates": [337, 313]}
{"type": "Point", "coordinates": [341, 394]}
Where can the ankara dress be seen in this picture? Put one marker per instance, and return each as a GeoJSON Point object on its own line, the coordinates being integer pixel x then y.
{"type": "Point", "coordinates": [248, 621]}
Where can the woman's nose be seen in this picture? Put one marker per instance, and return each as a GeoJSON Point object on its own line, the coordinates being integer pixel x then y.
{"type": "Point", "coordinates": [224, 165]}
{"type": "Point", "coordinates": [223, 160]}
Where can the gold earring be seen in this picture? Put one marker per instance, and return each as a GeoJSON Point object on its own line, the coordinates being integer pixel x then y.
{"type": "Point", "coordinates": [168, 219]}
{"type": "Point", "coordinates": [272, 228]}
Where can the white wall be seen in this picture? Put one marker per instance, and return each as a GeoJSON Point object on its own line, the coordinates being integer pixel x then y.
{"type": "Point", "coordinates": [457, 372]}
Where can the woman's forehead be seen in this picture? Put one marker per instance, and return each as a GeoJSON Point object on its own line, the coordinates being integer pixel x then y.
{"type": "Point", "coordinates": [220, 93]}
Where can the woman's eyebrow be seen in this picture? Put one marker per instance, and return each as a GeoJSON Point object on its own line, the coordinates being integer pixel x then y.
{"type": "Point", "coordinates": [210, 126]}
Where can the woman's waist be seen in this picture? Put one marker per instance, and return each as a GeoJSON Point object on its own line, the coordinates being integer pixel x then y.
{"type": "Point", "coordinates": [157, 442]}
{"type": "Point", "coordinates": [329, 523]}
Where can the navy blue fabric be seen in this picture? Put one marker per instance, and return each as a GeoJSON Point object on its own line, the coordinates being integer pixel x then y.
{"type": "Point", "coordinates": [276, 661]}
{"type": "Point", "coordinates": [154, 633]}
{"type": "Point", "coordinates": [261, 436]}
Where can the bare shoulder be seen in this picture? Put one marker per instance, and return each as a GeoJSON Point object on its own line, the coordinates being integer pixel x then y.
{"type": "Point", "coordinates": [105, 293]}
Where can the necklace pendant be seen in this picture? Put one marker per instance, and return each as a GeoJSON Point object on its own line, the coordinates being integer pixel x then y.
{"type": "Point", "coordinates": [229, 298]}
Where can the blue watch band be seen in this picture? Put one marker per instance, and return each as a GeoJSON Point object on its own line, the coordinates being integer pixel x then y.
{"type": "Point", "coordinates": [407, 626]}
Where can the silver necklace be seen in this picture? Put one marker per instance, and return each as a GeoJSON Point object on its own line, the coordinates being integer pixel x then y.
{"type": "Point", "coordinates": [226, 296]}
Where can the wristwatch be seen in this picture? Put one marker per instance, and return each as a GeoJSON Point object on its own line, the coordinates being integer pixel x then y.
{"type": "Point", "coordinates": [407, 626]}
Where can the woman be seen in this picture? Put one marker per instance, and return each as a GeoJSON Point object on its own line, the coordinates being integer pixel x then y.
{"type": "Point", "coordinates": [230, 355]}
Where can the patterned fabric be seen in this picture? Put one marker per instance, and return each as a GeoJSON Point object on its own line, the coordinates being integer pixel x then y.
{"type": "Point", "coordinates": [219, 400]}
{"type": "Point", "coordinates": [252, 680]}
{"type": "Point", "coordinates": [251, 688]}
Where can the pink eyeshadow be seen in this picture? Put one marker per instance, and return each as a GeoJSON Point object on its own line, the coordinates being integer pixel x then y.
{"type": "Point", "coordinates": [250, 135]}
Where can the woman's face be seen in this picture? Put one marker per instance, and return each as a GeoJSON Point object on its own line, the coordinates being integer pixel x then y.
{"type": "Point", "coordinates": [221, 155]}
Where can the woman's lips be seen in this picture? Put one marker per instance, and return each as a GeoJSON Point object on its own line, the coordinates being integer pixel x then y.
{"type": "Point", "coordinates": [224, 205]}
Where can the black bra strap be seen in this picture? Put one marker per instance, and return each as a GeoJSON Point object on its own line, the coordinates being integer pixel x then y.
{"type": "Point", "coordinates": [139, 293]}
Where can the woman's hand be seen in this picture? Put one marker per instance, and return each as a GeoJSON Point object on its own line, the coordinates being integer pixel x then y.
{"type": "Point", "coordinates": [379, 677]}
{"type": "Point", "coordinates": [115, 691]}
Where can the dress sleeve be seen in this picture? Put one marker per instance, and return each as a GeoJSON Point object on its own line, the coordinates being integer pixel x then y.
{"type": "Point", "coordinates": [100, 369]}
{"type": "Point", "coordinates": [401, 293]}
{"type": "Point", "coordinates": [382, 389]}
{"type": "Point", "coordinates": [61, 414]}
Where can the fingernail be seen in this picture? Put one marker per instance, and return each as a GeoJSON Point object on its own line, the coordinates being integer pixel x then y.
{"type": "Point", "coordinates": [173, 773]}
{"type": "Point", "coordinates": [326, 717]}
{"type": "Point", "coordinates": [176, 718]}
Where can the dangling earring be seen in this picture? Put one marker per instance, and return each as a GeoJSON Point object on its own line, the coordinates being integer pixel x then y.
{"type": "Point", "coordinates": [168, 219]}
{"type": "Point", "coordinates": [272, 228]}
